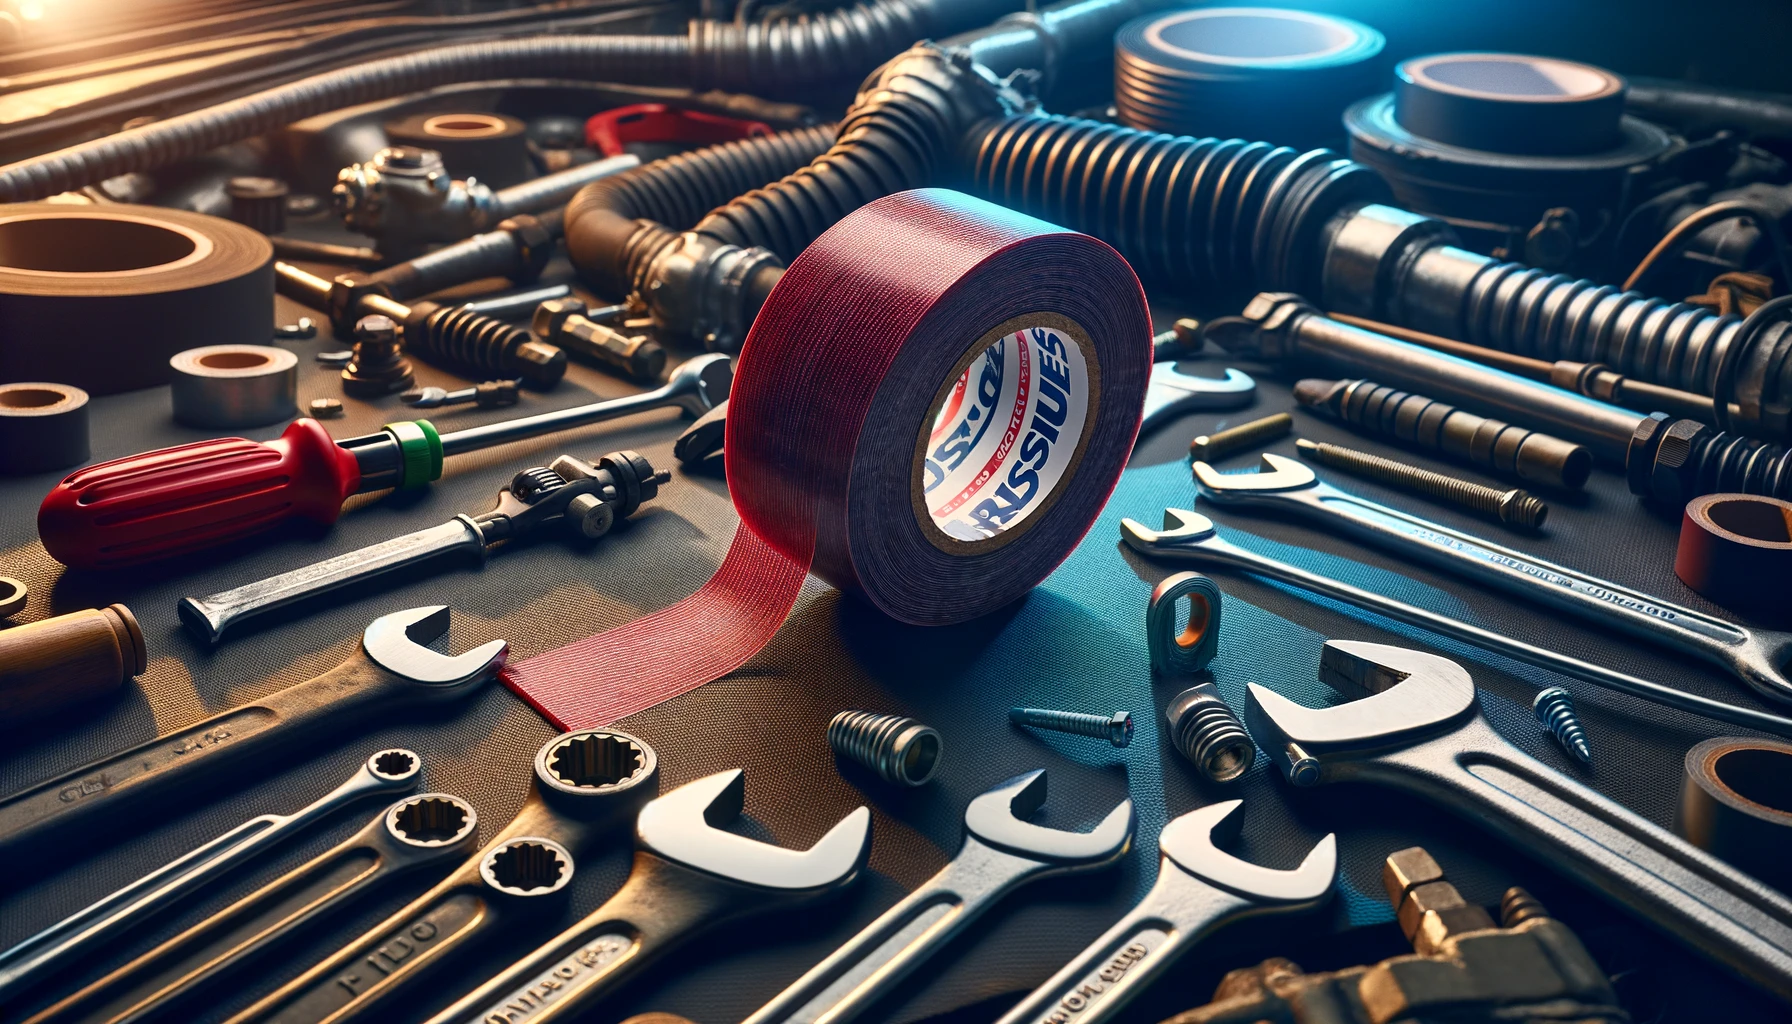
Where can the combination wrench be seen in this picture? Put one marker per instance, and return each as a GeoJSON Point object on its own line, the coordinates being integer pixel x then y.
{"type": "Point", "coordinates": [404, 838]}
{"type": "Point", "coordinates": [1420, 729]}
{"type": "Point", "coordinates": [392, 669]}
{"type": "Point", "coordinates": [1754, 656]}
{"type": "Point", "coordinates": [137, 904]}
{"type": "Point", "coordinates": [587, 784]}
{"type": "Point", "coordinates": [688, 874]}
{"type": "Point", "coordinates": [1199, 889]}
{"type": "Point", "coordinates": [1171, 393]}
{"type": "Point", "coordinates": [1191, 537]}
{"type": "Point", "coordinates": [1001, 851]}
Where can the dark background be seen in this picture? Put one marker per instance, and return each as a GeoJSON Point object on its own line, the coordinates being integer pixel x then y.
{"type": "Point", "coordinates": [1077, 642]}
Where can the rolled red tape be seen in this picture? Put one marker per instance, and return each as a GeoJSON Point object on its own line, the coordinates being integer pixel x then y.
{"type": "Point", "coordinates": [929, 413]}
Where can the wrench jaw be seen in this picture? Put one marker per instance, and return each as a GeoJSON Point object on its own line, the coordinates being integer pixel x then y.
{"type": "Point", "coordinates": [396, 642]}
{"type": "Point", "coordinates": [1171, 393]}
{"type": "Point", "coordinates": [1189, 840]}
{"type": "Point", "coordinates": [1410, 694]}
{"type": "Point", "coordinates": [1182, 529]}
{"type": "Point", "coordinates": [1762, 664]}
{"type": "Point", "coordinates": [685, 827]}
{"type": "Point", "coordinates": [1276, 474]}
{"type": "Point", "coordinates": [998, 817]}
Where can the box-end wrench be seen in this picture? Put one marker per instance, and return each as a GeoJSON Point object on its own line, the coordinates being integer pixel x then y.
{"type": "Point", "coordinates": [1420, 729]}
{"type": "Point", "coordinates": [688, 875]}
{"type": "Point", "coordinates": [1171, 393]}
{"type": "Point", "coordinates": [1199, 889]}
{"type": "Point", "coordinates": [404, 838]}
{"type": "Point", "coordinates": [1757, 657]}
{"type": "Point", "coordinates": [587, 785]}
{"type": "Point", "coordinates": [391, 670]}
{"type": "Point", "coordinates": [136, 904]}
{"type": "Point", "coordinates": [1191, 537]}
{"type": "Point", "coordinates": [1001, 851]}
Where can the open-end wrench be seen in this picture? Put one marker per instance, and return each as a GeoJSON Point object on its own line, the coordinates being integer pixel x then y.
{"type": "Point", "coordinates": [136, 904]}
{"type": "Point", "coordinates": [579, 498]}
{"type": "Point", "coordinates": [1756, 657]}
{"type": "Point", "coordinates": [688, 874]}
{"type": "Point", "coordinates": [1420, 729]}
{"type": "Point", "coordinates": [1001, 851]}
{"type": "Point", "coordinates": [1199, 889]}
{"type": "Point", "coordinates": [409, 835]}
{"type": "Point", "coordinates": [1172, 393]}
{"type": "Point", "coordinates": [392, 669]}
{"type": "Point", "coordinates": [588, 784]}
{"type": "Point", "coordinates": [1191, 537]}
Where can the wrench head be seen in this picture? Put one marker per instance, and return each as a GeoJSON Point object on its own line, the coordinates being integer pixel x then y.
{"type": "Point", "coordinates": [396, 642]}
{"type": "Point", "coordinates": [1182, 528]}
{"type": "Point", "coordinates": [1409, 692]}
{"type": "Point", "coordinates": [1274, 473]}
{"type": "Point", "coordinates": [998, 817]}
{"type": "Point", "coordinates": [1189, 841]}
{"type": "Point", "coordinates": [1171, 393]}
{"type": "Point", "coordinates": [701, 383]}
{"type": "Point", "coordinates": [684, 826]}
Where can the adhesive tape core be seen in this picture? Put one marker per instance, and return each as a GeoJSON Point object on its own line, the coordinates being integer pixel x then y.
{"type": "Point", "coordinates": [1736, 549]}
{"type": "Point", "coordinates": [465, 126]}
{"type": "Point", "coordinates": [97, 243]}
{"type": "Point", "coordinates": [1006, 432]}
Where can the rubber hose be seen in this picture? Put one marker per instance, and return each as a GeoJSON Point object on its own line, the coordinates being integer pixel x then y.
{"type": "Point", "coordinates": [614, 226]}
{"type": "Point", "coordinates": [1202, 212]}
{"type": "Point", "coordinates": [788, 55]}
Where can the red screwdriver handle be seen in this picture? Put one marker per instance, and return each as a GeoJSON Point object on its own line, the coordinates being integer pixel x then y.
{"type": "Point", "coordinates": [143, 508]}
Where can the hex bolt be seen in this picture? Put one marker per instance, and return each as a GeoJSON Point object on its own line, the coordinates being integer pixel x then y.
{"type": "Point", "coordinates": [1245, 436]}
{"type": "Point", "coordinates": [900, 750]}
{"type": "Point", "coordinates": [1514, 507]}
{"type": "Point", "coordinates": [1115, 728]}
{"type": "Point", "coordinates": [1555, 710]}
{"type": "Point", "coordinates": [1181, 340]}
{"type": "Point", "coordinates": [377, 367]}
{"type": "Point", "coordinates": [1206, 732]}
{"type": "Point", "coordinates": [565, 323]}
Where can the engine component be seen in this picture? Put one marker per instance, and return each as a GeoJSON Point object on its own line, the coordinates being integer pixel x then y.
{"type": "Point", "coordinates": [52, 664]}
{"type": "Point", "coordinates": [1524, 155]}
{"type": "Point", "coordinates": [563, 324]}
{"type": "Point", "coordinates": [517, 248]}
{"type": "Point", "coordinates": [1735, 805]}
{"type": "Point", "coordinates": [490, 148]}
{"type": "Point", "coordinates": [42, 427]}
{"type": "Point", "coordinates": [1736, 549]}
{"type": "Point", "coordinates": [1530, 967]}
{"type": "Point", "coordinates": [1243, 72]}
{"type": "Point", "coordinates": [232, 386]}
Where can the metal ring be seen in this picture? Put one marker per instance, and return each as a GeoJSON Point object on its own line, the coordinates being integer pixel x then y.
{"type": "Point", "coordinates": [1183, 650]}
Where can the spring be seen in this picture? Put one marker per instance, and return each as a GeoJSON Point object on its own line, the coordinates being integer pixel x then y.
{"type": "Point", "coordinates": [898, 749]}
{"type": "Point", "coordinates": [1206, 731]}
{"type": "Point", "coordinates": [482, 346]}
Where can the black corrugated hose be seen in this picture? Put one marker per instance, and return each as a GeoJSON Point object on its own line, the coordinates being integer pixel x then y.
{"type": "Point", "coordinates": [823, 48]}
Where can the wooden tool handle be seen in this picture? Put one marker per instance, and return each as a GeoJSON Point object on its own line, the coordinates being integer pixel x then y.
{"type": "Point", "coordinates": [51, 664]}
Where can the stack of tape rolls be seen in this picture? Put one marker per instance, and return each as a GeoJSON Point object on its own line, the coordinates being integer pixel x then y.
{"type": "Point", "coordinates": [101, 297]}
{"type": "Point", "coordinates": [930, 412]}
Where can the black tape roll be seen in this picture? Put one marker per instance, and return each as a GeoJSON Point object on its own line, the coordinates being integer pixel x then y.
{"type": "Point", "coordinates": [1737, 804]}
{"type": "Point", "coordinates": [102, 297]}
{"type": "Point", "coordinates": [491, 147]}
{"type": "Point", "coordinates": [42, 427]}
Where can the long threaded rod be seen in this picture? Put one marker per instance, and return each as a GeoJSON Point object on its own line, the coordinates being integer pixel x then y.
{"type": "Point", "coordinates": [1514, 506]}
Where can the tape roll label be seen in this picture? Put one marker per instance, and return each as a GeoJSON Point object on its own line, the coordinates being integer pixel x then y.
{"type": "Point", "coordinates": [1006, 432]}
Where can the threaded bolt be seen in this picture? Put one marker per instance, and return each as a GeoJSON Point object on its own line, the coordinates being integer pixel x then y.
{"type": "Point", "coordinates": [1218, 445]}
{"type": "Point", "coordinates": [1556, 711]}
{"type": "Point", "coordinates": [1519, 906]}
{"type": "Point", "coordinates": [1514, 507]}
{"type": "Point", "coordinates": [1182, 339]}
{"type": "Point", "coordinates": [900, 750]}
{"type": "Point", "coordinates": [1115, 728]}
{"type": "Point", "coordinates": [1206, 731]}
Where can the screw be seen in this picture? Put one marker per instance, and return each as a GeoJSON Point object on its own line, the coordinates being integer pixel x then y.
{"type": "Point", "coordinates": [1518, 906]}
{"type": "Point", "coordinates": [304, 330]}
{"type": "Point", "coordinates": [1181, 340]}
{"type": "Point", "coordinates": [377, 367]}
{"type": "Point", "coordinates": [1556, 711]}
{"type": "Point", "coordinates": [898, 749]}
{"type": "Point", "coordinates": [1206, 731]}
{"type": "Point", "coordinates": [1514, 507]}
{"type": "Point", "coordinates": [1115, 728]}
{"type": "Point", "coordinates": [1215, 446]}
{"type": "Point", "coordinates": [487, 395]}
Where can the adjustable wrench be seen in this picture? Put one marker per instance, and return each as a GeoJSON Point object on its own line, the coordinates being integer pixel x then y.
{"type": "Point", "coordinates": [1754, 656]}
{"type": "Point", "coordinates": [392, 669]}
{"type": "Point", "coordinates": [1420, 729]}
{"type": "Point", "coordinates": [136, 904]}
{"type": "Point", "coordinates": [1199, 889]}
{"type": "Point", "coordinates": [1001, 851]}
{"type": "Point", "coordinates": [407, 836]}
{"type": "Point", "coordinates": [1172, 393]}
{"type": "Point", "coordinates": [587, 784]}
{"type": "Point", "coordinates": [687, 875]}
{"type": "Point", "coordinates": [1191, 537]}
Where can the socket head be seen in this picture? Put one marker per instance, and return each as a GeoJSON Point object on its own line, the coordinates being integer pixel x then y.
{"type": "Point", "coordinates": [551, 316]}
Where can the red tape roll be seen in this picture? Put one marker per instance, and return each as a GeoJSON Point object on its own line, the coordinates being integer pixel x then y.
{"type": "Point", "coordinates": [930, 412]}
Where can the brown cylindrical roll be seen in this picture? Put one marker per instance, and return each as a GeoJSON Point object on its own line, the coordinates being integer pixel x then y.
{"type": "Point", "coordinates": [51, 664]}
{"type": "Point", "coordinates": [1737, 804]}
{"type": "Point", "coordinates": [42, 427]}
{"type": "Point", "coordinates": [1736, 549]}
{"type": "Point", "coordinates": [493, 148]}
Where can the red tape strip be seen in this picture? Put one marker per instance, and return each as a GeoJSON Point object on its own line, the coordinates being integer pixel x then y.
{"type": "Point", "coordinates": [922, 301]}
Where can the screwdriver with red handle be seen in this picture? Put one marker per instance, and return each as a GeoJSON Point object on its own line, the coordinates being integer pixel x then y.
{"type": "Point", "coordinates": [176, 501]}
